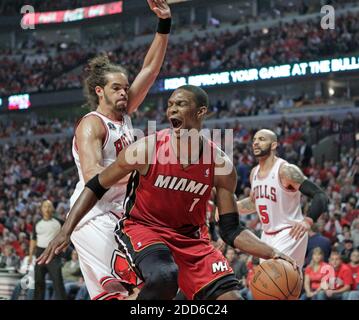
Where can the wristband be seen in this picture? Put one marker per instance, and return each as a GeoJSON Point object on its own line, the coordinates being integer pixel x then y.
{"type": "Point", "coordinates": [164, 26]}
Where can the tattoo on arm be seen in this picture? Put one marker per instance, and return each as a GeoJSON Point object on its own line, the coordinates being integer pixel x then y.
{"type": "Point", "coordinates": [246, 206]}
{"type": "Point", "coordinates": [292, 175]}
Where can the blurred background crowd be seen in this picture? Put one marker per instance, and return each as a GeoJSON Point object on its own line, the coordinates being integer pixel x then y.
{"type": "Point", "coordinates": [316, 118]}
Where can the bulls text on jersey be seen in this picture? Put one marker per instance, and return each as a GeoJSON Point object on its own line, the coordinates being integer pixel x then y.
{"type": "Point", "coordinates": [265, 192]}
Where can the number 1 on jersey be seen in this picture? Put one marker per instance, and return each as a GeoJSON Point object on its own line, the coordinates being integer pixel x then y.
{"type": "Point", "coordinates": [195, 200]}
{"type": "Point", "coordinates": [264, 214]}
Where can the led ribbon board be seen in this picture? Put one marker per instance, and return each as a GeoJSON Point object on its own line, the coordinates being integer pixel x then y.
{"type": "Point", "coordinates": [265, 73]}
{"type": "Point", "coordinates": [72, 15]}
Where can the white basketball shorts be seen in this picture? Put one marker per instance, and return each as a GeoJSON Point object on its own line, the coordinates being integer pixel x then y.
{"type": "Point", "coordinates": [283, 242]}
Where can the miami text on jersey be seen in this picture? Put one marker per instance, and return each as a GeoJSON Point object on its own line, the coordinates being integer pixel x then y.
{"type": "Point", "coordinates": [180, 184]}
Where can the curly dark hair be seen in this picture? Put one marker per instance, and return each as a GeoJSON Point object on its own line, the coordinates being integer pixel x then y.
{"type": "Point", "coordinates": [97, 69]}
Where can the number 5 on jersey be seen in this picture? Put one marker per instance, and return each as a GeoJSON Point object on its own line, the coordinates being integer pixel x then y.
{"type": "Point", "coordinates": [264, 214]}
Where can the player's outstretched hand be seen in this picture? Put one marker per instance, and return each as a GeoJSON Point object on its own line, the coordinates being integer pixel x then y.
{"type": "Point", "coordinates": [58, 244]}
{"type": "Point", "coordinates": [280, 255]}
{"type": "Point", "coordinates": [160, 8]}
{"type": "Point", "coordinates": [299, 229]}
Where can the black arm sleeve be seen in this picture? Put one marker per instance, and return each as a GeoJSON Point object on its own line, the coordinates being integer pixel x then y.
{"type": "Point", "coordinates": [319, 199]}
{"type": "Point", "coordinates": [96, 187]}
{"type": "Point", "coordinates": [230, 227]}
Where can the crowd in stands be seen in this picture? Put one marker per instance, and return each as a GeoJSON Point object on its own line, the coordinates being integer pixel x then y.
{"type": "Point", "coordinates": [282, 8]}
{"type": "Point", "coordinates": [38, 70]}
{"type": "Point", "coordinates": [238, 105]}
{"type": "Point", "coordinates": [34, 126]}
{"type": "Point", "coordinates": [31, 172]}
{"type": "Point", "coordinates": [34, 171]}
{"type": "Point", "coordinates": [249, 105]}
{"type": "Point", "coordinates": [282, 43]}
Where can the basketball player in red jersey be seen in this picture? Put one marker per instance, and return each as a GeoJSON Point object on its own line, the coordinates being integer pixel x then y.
{"type": "Point", "coordinates": [99, 137]}
{"type": "Point", "coordinates": [160, 234]}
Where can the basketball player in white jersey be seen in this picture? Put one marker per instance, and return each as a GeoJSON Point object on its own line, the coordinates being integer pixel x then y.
{"type": "Point", "coordinates": [99, 137]}
{"type": "Point", "coordinates": [276, 187]}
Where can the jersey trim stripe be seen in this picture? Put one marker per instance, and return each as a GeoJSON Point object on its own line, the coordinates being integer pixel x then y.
{"type": "Point", "coordinates": [130, 196]}
{"type": "Point", "coordinates": [111, 120]}
{"type": "Point", "coordinates": [269, 172]}
{"type": "Point", "coordinates": [210, 282]}
{"type": "Point", "coordinates": [109, 296]}
{"type": "Point", "coordinates": [273, 233]}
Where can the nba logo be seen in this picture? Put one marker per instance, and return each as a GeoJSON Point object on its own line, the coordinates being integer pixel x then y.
{"type": "Point", "coordinates": [111, 126]}
{"type": "Point", "coordinates": [206, 174]}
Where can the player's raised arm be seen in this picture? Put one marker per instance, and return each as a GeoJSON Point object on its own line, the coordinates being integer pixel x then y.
{"type": "Point", "coordinates": [231, 230]}
{"type": "Point", "coordinates": [293, 178]}
{"type": "Point", "coordinates": [135, 157]}
{"type": "Point", "coordinates": [89, 135]}
{"type": "Point", "coordinates": [154, 57]}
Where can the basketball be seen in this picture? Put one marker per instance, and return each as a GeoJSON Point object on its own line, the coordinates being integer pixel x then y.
{"type": "Point", "coordinates": [276, 280]}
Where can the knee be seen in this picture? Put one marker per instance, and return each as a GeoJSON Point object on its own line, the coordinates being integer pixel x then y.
{"type": "Point", "coordinates": [163, 281]}
{"type": "Point", "coordinates": [165, 277]}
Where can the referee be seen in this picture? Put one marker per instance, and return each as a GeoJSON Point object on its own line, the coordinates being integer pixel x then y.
{"type": "Point", "coordinates": [43, 232]}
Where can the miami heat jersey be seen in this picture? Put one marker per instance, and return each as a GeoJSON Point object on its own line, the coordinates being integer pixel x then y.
{"type": "Point", "coordinates": [170, 195]}
{"type": "Point", "coordinates": [119, 134]}
{"type": "Point", "coordinates": [276, 206]}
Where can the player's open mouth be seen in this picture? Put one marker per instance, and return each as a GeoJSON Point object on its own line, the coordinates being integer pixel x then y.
{"type": "Point", "coordinates": [176, 123]}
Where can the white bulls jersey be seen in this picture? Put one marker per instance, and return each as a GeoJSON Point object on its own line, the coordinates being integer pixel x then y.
{"type": "Point", "coordinates": [119, 134]}
{"type": "Point", "coordinates": [276, 206]}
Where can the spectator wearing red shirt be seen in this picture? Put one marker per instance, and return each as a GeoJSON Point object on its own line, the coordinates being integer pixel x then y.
{"type": "Point", "coordinates": [351, 212]}
{"type": "Point", "coordinates": [314, 274]}
{"type": "Point", "coordinates": [354, 266]}
{"type": "Point", "coordinates": [246, 292]}
{"type": "Point", "coordinates": [340, 280]}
